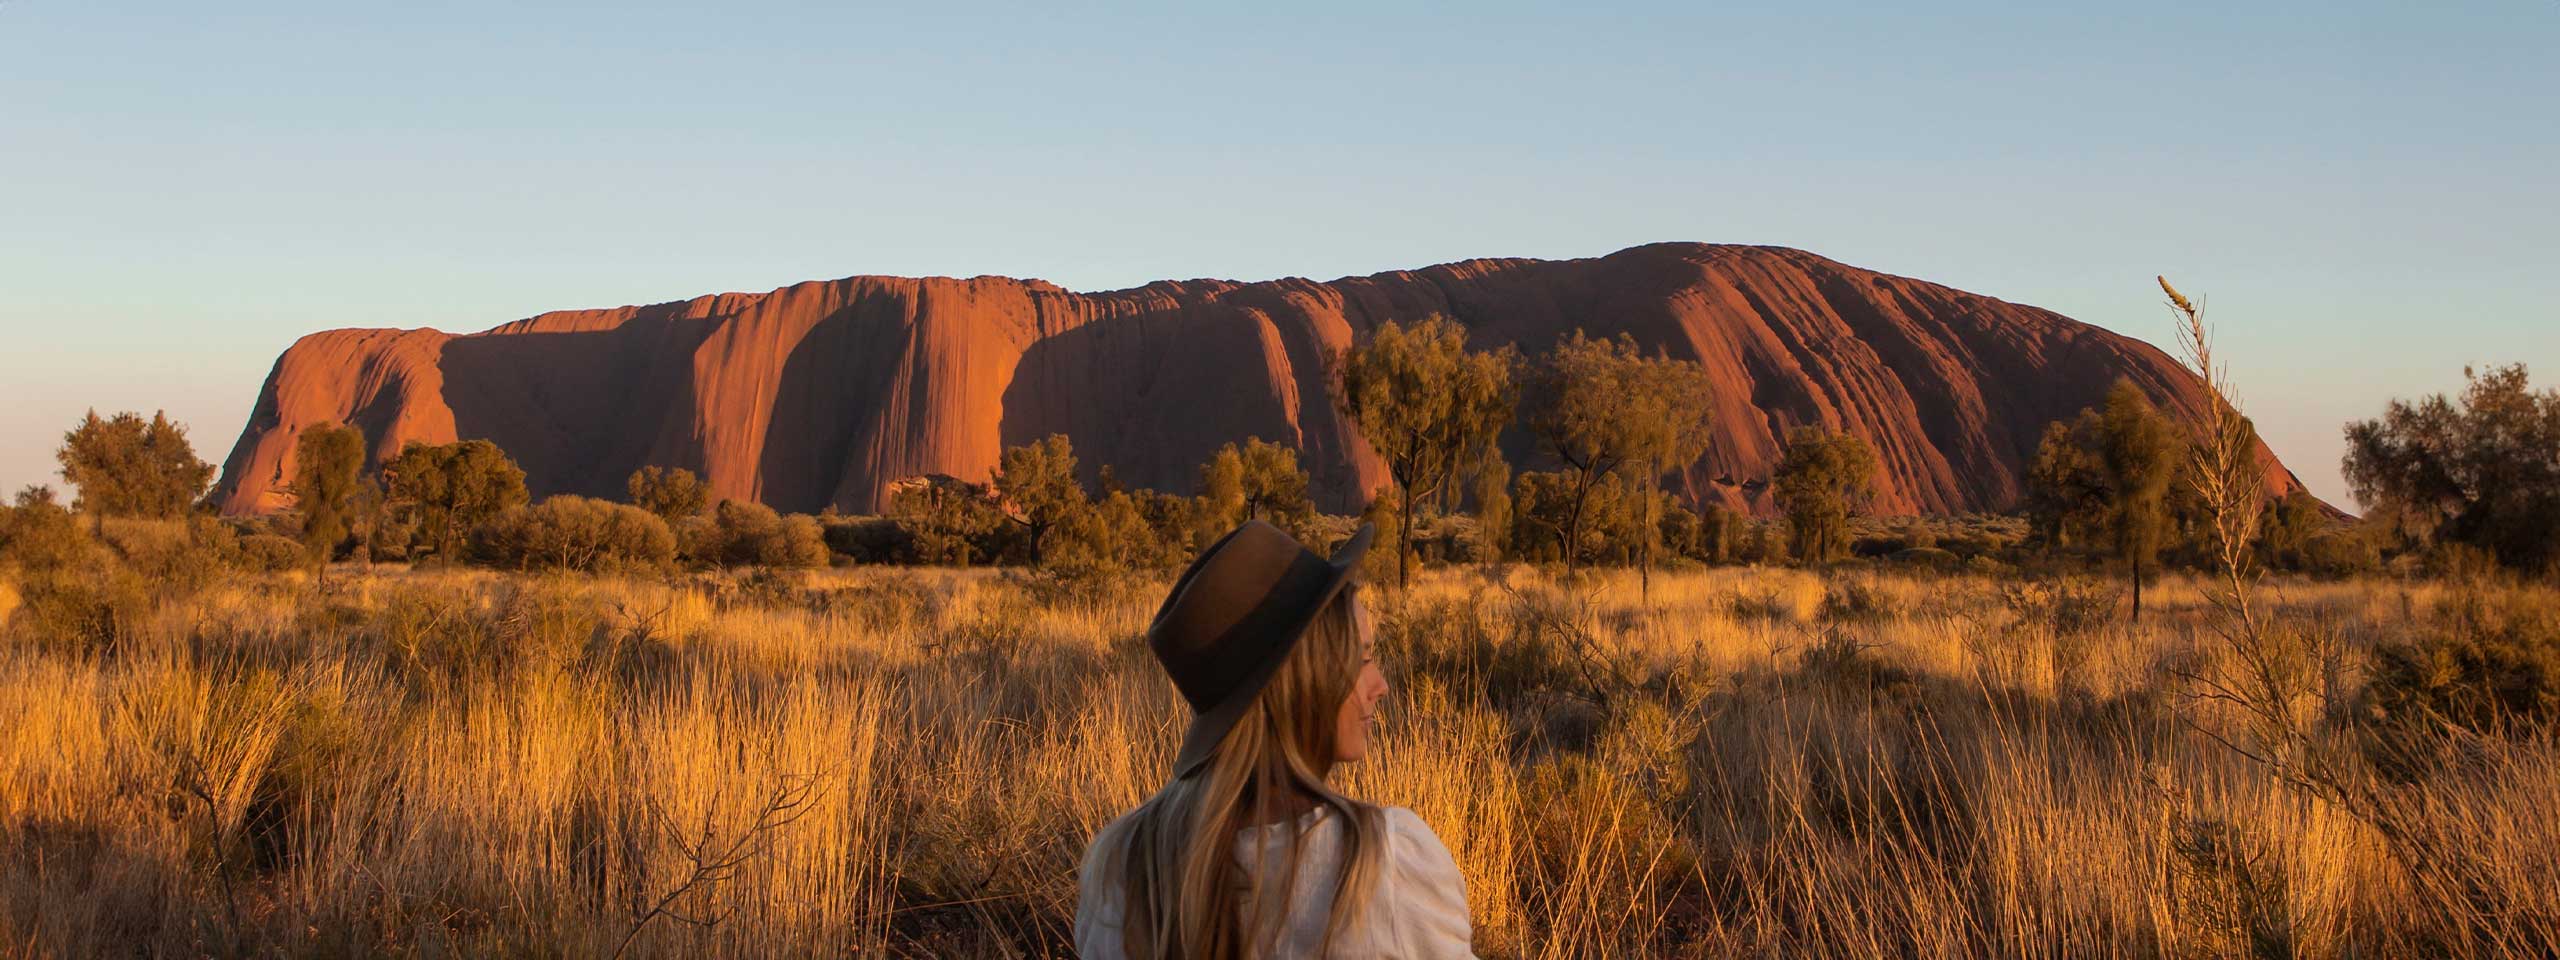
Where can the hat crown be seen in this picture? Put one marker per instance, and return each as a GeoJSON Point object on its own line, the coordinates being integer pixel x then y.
{"type": "Point", "coordinates": [1216, 625]}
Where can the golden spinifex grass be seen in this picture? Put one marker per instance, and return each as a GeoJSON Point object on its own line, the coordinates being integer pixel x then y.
{"type": "Point", "coordinates": [909, 763]}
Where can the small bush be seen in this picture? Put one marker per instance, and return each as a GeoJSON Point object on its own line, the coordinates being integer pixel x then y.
{"type": "Point", "coordinates": [71, 592]}
{"type": "Point", "coordinates": [268, 553]}
{"type": "Point", "coordinates": [2341, 554]}
{"type": "Point", "coordinates": [2072, 608]}
{"type": "Point", "coordinates": [870, 539]}
{"type": "Point", "coordinates": [1857, 599]}
{"type": "Point", "coordinates": [576, 533]}
{"type": "Point", "coordinates": [1930, 557]}
{"type": "Point", "coordinates": [751, 534]}
{"type": "Point", "coordinates": [2490, 664]}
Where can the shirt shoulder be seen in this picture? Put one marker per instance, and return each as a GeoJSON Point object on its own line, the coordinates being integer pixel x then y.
{"type": "Point", "coordinates": [1422, 891]}
{"type": "Point", "coordinates": [1099, 911]}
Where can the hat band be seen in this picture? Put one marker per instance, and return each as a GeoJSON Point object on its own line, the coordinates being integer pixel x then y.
{"type": "Point", "coordinates": [1263, 634]}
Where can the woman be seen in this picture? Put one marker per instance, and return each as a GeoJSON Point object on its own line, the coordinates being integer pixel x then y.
{"type": "Point", "coordinates": [1249, 851]}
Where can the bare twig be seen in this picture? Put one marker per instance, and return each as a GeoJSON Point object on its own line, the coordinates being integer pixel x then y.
{"type": "Point", "coordinates": [713, 861]}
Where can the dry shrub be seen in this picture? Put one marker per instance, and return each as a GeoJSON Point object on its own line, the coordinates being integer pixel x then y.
{"type": "Point", "coordinates": [268, 553]}
{"type": "Point", "coordinates": [576, 533]}
{"type": "Point", "coordinates": [1857, 600]}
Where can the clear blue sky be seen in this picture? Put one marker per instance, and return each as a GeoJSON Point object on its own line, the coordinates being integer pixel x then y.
{"type": "Point", "coordinates": [2367, 193]}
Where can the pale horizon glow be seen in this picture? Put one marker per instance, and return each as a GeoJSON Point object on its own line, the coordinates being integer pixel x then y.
{"type": "Point", "coordinates": [2362, 192]}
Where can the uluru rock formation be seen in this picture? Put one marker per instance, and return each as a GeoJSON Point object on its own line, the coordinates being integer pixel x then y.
{"type": "Point", "coordinates": [826, 392]}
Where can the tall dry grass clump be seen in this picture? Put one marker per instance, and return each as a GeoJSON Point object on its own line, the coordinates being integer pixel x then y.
{"type": "Point", "coordinates": [909, 762]}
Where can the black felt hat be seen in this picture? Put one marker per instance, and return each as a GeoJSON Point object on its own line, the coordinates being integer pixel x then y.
{"type": "Point", "coordinates": [1234, 616]}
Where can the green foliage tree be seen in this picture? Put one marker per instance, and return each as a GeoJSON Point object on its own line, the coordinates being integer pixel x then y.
{"type": "Point", "coordinates": [1119, 533]}
{"type": "Point", "coordinates": [1556, 519]}
{"type": "Point", "coordinates": [2066, 484]}
{"type": "Point", "coordinates": [671, 494]}
{"type": "Point", "coordinates": [328, 477]}
{"type": "Point", "coordinates": [1428, 406]}
{"type": "Point", "coordinates": [127, 466]}
{"type": "Point", "coordinates": [953, 521]}
{"type": "Point", "coordinates": [1220, 504]}
{"type": "Point", "coordinates": [2483, 471]}
{"type": "Point", "coordinates": [1258, 480]}
{"type": "Point", "coordinates": [1669, 422]}
{"type": "Point", "coordinates": [2284, 541]}
{"type": "Point", "coordinates": [1601, 406]}
{"type": "Point", "coordinates": [2139, 450]}
{"type": "Point", "coordinates": [453, 487]}
{"type": "Point", "coordinates": [1822, 478]}
{"type": "Point", "coordinates": [1037, 484]}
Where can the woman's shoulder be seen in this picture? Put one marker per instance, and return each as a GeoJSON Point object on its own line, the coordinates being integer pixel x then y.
{"type": "Point", "coordinates": [1099, 911]}
{"type": "Point", "coordinates": [1409, 838]}
{"type": "Point", "coordinates": [1422, 889]}
{"type": "Point", "coordinates": [1414, 846]}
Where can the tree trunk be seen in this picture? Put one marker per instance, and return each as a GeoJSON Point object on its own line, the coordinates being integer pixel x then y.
{"type": "Point", "coordinates": [2137, 590]}
{"type": "Point", "coordinates": [1644, 559]}
{"type": "Point", "coordinates": [1404, 538]}
{"type": "Point", "coordinates": [1573, 524]}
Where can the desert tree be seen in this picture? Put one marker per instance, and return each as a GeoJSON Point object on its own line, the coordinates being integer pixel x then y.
{"type": "Point", "coordinates": [1037, 484]}
{"type": "Point", "coordinates": [127, 466]}
{"type": "Point", "coordinates": [2483, 470]}
{"type": "Point", "coordinates": [671, 493]}
{"type": "Point", "coordinates": [1428, 406]}
{"type": "Point", "coordinates": [2139, 451]}
{"type": "Point", "coordinates": [1599, 406]}
{"type": "Point", "coordinates": [1668, 421]}
{"type": "Point", "coordinates": [1275, 487]}
{"type": "Point", "coordinates": [952, 521]}
{"type": "Point", "coordinates": [1821, 479]}
{"type": "Point", "coordinates": [328, 477]}
{"type": "Point", "coordinates": [2066, 484]}
{"type": "Point", "coordinates": [1220, 502]}
{"type": "Point", "coordinates": [1259, 480]}
{"type": "Point", "coordinates": [2291, 526]}
{"type": "Point", "coordinates": [453, 486]}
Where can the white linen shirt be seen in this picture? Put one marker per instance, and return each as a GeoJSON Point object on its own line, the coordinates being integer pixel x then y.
{"type": "Point", "coordinates": [1419, 910]}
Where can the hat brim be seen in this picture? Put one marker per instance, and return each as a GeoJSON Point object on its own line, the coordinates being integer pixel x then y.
{"type": "Point", "coordinates": [1209, 728]}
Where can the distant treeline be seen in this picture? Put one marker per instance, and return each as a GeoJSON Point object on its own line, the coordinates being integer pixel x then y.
{"type": "Point", "coordinates": [2473, 481]}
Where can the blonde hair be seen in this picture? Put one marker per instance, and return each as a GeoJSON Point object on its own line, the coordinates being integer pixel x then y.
{"type": "Point", "coordinates": [1185, 895]}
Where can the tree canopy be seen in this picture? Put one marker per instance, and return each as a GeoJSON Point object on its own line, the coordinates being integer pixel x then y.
{"type": "Point", "coordinates": [2483, 470]}
{"type": "Point", "coordinates": [1821, 479]}
{"type": "Point", "coordinates": [127, 466]}
{"type": "Point", "coordinates": [453, 486]}
{"type": "Point", "coordinates": [328, 469]}
{"type": "Point", "coordinates": [1037, 483]}
{"type": "Point", "coordinates": [1601, 406]}
{"type": "Point", "coordinates": [1258, 480]}
{"type": "Point", "coordinates": [2139, 451]}
{"type": "Point", "coordinates": [1428, 406]}
{"type": "Point", "coordinates": [672, 494]}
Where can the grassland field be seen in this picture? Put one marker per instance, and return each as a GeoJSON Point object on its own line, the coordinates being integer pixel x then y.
{"type": "Point", "coordinates": [908, 762]}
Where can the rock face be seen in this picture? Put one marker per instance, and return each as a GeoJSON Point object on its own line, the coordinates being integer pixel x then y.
{"type": "Point", "coordinates": [824, 393]}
